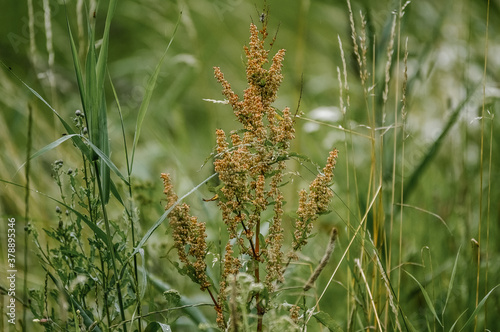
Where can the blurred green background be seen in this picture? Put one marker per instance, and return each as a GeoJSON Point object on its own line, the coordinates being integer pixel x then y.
{"type": "Point", "coordinates": [446, 46]}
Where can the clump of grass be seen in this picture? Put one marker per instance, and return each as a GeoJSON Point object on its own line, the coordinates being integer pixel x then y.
{"type": "Point", "coordinates": [87, 269]}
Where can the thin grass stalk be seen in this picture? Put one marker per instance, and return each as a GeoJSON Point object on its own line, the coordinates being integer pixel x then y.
{"type": "Point", "coordinates": [379, 214]}
{"type": "Point", "coordinates": [348, 142]}
{"type": "Point", "coordinates": [488, 220]}
{"type": "Point", "coordinates": [361, 59]}
{"type": "Point", "coordinates": [129, 211]}
{"type": "Point", "coordinates": [358, 229]}
{"type": "Point", "coordinates": [31, 27]}
{"type": "Point", "coordinates": [483, 120]}
{"type": "Point", "coordinates": [403, 120]}
{"type": "Point", "coordinates": [396, 103]}
{"type": "Point", "coordinates": [260, 308]}
{"type": "Point", "coordinates": [390, 51]}
{"type": "Point", "coordinates": [27, 215]}
{"type": "Point", "coordinates": [110, 246]}
{"type": "Point", "coordinates": [372, 302]}
{"type": "Point", "coordinates": [50, 50]}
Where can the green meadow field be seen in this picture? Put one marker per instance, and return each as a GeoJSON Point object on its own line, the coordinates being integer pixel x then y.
{"type": "Point", "coordinates": [332, 165]}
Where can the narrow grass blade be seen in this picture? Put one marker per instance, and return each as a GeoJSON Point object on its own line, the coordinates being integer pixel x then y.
{"type": "Point", "coordinates": [104, 141]}
{"type": "Point", "coordinates": [327, 321]}
{"type": "Point", "coordinates": [102, 113]}
{"type": "Point", "coordinates": [76, 64]}
{"type": "Point", "coordinates": [103, 55]}
{"type": "Point", "coordinates": [92, 93]}
{"type": "Point", "coordinates": [78, 142]}
{"type": "Point", "coordinates": [417, 173]}
{"type": "Point", "coordinates": [479, 306]}
{"type": "Point", "coordinates": [108, 161]}
{"type": "Point", "coordinates": [456, 321]}
{"type": "Point", "coordinates": [452, 279]}
{"type": "Point", "coordinates": [96, 108]}
{"type": "Point", "coordinates": [147, 97]}
{"type": "Point", "coordinates": [165, 214]}
{"type": "Point", "coordinates": [427, 298]}
{"type": "Point", "coordinates": [48, 147]}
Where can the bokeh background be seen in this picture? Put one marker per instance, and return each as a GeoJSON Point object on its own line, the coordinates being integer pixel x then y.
{"type": "Point", "coordinates": [456, 190]}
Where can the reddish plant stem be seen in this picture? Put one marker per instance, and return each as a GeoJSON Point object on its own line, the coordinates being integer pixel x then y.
{"type": "Point", "coordinates": [260, 309]}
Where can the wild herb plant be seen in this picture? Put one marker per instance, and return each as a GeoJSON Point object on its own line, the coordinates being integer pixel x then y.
{"type": "Point", "coordinates": [250, 163]}
{"type": "Point", "coordinates": [95, 275]}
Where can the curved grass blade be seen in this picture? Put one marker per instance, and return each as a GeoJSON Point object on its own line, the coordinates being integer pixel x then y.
{"type": "Point", "coordinates": [101, 154]}
{"type": "Point", "coordinates": [427, 298]}
{"type": "Point", "coordinates": [78, 142]}
{"type": "Point", "coordinates": [456, 321]}
{"type": "Point", "coordinates": [452, 279]}
{"type": "Point", "coordinates": [165, 214]}
{"type": "Point", "coordinates": [479, 306]}
{"type": "Point", "coordinates": [48, 147]}
{"type": "Point", "coordinates": [149, 92]}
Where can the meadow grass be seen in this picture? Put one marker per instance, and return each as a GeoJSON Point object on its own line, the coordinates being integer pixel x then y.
{"type": "Point", "coordinates": [413, 93]}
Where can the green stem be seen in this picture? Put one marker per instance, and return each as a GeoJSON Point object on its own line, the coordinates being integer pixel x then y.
{"type": "Point", "coordinates": [110, 245]}
{"type": "Point", "coordinates": [26, 216]}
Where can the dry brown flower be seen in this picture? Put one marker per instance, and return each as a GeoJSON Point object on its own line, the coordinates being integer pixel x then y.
{"type": "Point", "coordinates": [315, 203]}
{"type": "Point", "coordinates": [189, 236]}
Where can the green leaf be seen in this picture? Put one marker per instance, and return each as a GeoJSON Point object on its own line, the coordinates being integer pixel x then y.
{"type": "Point", "coordinates": [327, 321]}
{"type": "Point", "coordinates": [173, 298]}
{"type": "Point", "coordinates": [156, 326]}
{"type": "Point", "coordinates": [479, 306]}
{"type": "Point", "coordinates": [427, 298]}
